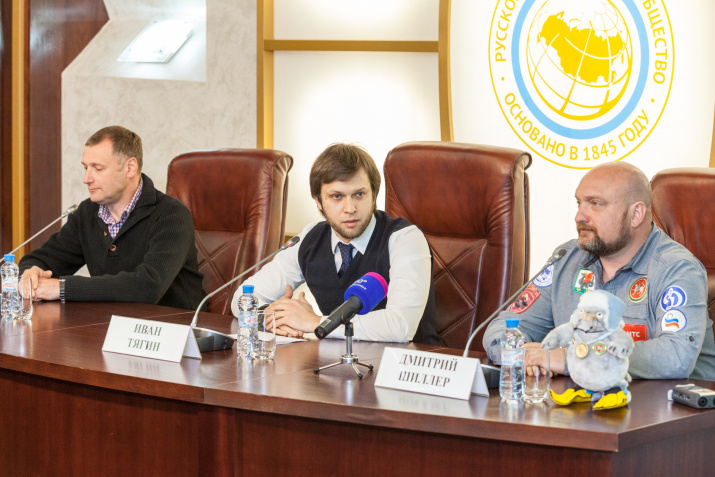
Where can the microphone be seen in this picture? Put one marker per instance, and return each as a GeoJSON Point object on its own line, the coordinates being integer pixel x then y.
{"type": "Point", "coordinates": [67, 212]}
{"type": "Point", "coordinates": [360, 298]}
{"type": "Point", "coordinates": [558, 255]}
{"type": "Point", "coordinates": [209, 340]}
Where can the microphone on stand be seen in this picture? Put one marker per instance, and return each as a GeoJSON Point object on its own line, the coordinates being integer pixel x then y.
{"type": "Point", "coordinates": [491, 374]}
{"type": "Point", "coordinates": [360, 298]}
{"type": "Point", "coordinates": [209, 340]}
{"type": "Point", "coordinates": [67, 212]}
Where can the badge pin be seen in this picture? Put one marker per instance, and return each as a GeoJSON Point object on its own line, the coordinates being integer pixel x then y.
{"type": "Point", "coordinates": [599, 347]}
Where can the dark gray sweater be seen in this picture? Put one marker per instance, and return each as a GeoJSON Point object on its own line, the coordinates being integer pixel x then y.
{"type": "Point", "coordinates": [152, 259]}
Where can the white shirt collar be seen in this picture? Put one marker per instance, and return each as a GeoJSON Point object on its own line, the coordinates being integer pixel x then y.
{"type": "Point", "coordinates": [360, 243]}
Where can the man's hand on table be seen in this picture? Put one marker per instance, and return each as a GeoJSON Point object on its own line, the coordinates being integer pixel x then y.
{"type": "Point", "coordinates": [293, 316]}
{"type": "Point", "coordinates": [45, 287]}
{"type": "Point", "coordinates": [557, 359]}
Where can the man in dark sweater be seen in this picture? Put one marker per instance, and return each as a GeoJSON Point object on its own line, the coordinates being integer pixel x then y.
{"type": "Point", "coordinates": [354, 239]}
{"type": "Point", "coordinates": [137, 243]}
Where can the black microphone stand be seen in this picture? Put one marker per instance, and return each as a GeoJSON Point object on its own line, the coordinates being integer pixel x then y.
{"type": "Point", "coordinates": [348, 357]}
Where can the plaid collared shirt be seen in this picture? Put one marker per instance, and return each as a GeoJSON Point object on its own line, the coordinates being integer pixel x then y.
{"type": "Point", "coordinates": [106, 216]}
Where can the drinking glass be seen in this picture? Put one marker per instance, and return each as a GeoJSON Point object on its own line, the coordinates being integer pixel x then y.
{"type": "Point", "coordinates": [265, 346]}
{"type": "Point", "coordinates": [24, 300]}
{"type": "Point", "coordinates": [537, 375]}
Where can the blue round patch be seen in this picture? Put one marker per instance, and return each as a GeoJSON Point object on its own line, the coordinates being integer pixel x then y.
{"type": "Point", "coordinates": [673, 297]}
{"type": "Point", "coordinates": [546, 278]}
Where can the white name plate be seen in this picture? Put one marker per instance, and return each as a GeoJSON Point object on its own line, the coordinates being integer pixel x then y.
{"type": "Point", "coordinates": [150, 339]}
{"type": "Point", "coordinates": [431, 373]}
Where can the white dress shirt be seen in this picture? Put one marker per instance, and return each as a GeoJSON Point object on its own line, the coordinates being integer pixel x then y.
{"type": "Point", "coordinates": [410, 274]}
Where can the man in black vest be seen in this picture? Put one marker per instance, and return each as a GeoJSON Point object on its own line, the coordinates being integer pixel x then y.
{"type": "Point", "coordinates": [354, 239]}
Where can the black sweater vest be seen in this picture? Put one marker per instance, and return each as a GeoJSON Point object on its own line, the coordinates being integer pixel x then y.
{"type": "Point", "coordinates": [317, 262]}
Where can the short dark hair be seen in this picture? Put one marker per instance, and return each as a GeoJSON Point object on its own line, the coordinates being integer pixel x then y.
{"type": "Point", "coordinates": [125, 143]}
{"type": "Point", "coordinates": [339, 162]}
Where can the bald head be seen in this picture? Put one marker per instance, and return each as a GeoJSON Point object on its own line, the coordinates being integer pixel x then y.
{"type": "Point", "coordinates": [625, 180]}
{"type": "Point", "coordinates": [614, 217]}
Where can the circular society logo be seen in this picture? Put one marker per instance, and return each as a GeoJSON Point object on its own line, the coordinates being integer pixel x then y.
{"type": "Point", "coordinates": [581, 82]}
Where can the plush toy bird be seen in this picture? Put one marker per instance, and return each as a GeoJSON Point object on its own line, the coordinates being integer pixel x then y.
{"type": "Point", "coordinates": [597, 354]}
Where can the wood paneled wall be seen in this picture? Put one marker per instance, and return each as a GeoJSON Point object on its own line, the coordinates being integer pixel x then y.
{"type": "Point", "coordinates": [5, 126]}
{"type": "Point", "coordinates": [58, 30]}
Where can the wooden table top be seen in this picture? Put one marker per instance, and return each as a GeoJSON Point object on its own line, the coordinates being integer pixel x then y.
{"type": "Point", "coordinates": [64, 341]}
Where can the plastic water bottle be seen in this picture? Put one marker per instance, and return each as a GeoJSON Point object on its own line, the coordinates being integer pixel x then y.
{"type": "Point", "coordinates": [9, 272]}
{"type": "Point", "coordinates": [247, 322]}
{"type": "Point", "coordinates": [511, 376]}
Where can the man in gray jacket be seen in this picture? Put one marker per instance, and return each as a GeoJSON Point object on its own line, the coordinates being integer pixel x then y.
{"type": "Point", "coordinates": [619, 249]}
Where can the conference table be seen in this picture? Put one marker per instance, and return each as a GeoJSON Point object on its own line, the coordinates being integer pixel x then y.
{"type": "Point", "coordinates": [68, 408]}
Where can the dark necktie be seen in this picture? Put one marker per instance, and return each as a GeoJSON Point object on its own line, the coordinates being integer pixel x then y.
{"type": "Point", "coordinates": [346, 252]}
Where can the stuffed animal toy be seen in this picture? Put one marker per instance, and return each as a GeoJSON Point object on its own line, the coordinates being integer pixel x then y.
{"type": "Point", "coordinates": [597, 354]}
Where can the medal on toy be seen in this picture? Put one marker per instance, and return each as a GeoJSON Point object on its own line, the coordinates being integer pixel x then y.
{"type": "Point", "coordinates": [581, 350]}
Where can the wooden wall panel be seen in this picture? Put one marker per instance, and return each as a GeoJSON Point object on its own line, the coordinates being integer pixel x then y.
{"type": "Point", "coordinates": [5, 126]}
{"type": "Point", "coordinates": [58, 31]}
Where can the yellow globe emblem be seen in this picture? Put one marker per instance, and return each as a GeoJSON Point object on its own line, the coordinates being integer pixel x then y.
{"type": "Point", "coordinates": [579, 56]}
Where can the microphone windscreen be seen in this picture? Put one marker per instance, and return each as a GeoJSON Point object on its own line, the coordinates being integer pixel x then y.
{"type": "Point", "coordinates": [371, 289]}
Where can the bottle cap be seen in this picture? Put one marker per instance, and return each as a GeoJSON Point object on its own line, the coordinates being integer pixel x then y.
{"type": "Point", "coordinates": [9, 257]}
{"type": "Point", "coordinates": [512, 322]}
{"type": "Point", "coordinates": [248, 288]}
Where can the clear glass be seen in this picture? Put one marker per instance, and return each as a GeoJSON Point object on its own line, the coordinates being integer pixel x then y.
{"type": "Point", "coordinates": [26, 295]}
{"type": "Point", "coordinates": [537, 375]}
{"type": "Point", "coordinates": [265, 344]}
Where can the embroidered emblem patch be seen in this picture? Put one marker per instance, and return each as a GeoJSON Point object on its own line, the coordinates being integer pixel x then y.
{"type": "Point", "coordinates": [585, 281]}
{"type": "Point", "coordinates": [673, 297]}
{"type": "Point", "coordinates": [673, 320]}
{"type": "Point", "coordinates": [637, 332]}
{"type": "Point", "coordinates": [546, 278]}
{"type": "Point", "coordinates": [525, 300]}
{"type": "Point", "coordinates": [638, 290]}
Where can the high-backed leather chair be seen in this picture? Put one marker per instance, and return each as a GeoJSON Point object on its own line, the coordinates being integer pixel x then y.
{"type": "Point", "coordinates": [238, 200]}
{"type": "Point", "coordinates": [681, 200]}
{"type": "Point", "coordinates": [472, 204]}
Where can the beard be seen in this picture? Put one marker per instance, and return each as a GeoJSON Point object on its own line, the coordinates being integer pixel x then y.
{"type": "Point", "coordinates": [598, 247]}
{"type": "Point", "coordinates": [354, 233]}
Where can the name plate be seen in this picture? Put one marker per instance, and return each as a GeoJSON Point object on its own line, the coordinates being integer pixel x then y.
{"type": "Point", "coordinates": [150, 339]}
{"type": "Point", "coordinates": [431, 373]}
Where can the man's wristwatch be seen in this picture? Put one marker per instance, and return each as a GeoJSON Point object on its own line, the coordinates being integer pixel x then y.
{"type": "Point", "coordinates": [62, 290]}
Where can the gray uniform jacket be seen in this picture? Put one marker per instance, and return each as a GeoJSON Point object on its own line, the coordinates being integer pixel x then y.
{"type": "Point", "coordinates": [664, 288]}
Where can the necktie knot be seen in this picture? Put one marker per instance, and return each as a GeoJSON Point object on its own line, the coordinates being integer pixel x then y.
{"type": "Point", "coordinates": [346, 252]}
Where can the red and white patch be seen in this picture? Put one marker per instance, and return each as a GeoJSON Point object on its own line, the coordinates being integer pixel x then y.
{"type": "Point", "coordinates": [525, 300]}
{"type": "Point", "coordinates": [638, 290]}
{"type": "Point", "coordinates": [637, 332]}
